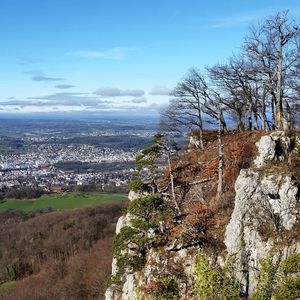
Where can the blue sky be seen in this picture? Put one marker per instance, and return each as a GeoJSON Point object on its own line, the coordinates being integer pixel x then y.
{"type": "Point", "coordinates": [115, 55]}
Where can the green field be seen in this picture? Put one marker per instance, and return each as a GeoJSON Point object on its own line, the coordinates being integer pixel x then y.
{"type": "Point", "coordinates": [65, 201]}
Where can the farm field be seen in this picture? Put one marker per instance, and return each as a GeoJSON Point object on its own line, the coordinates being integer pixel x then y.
{"type": "Point", "coordinates": [65, 201]}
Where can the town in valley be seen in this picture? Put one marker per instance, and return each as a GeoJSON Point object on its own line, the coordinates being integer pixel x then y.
{"type": "Point", "coordinates": [56, 155]}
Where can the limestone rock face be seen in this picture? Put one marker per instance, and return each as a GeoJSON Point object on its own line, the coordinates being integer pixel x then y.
{"type": "Point", "coordinates": [110, 293]}
{"type": "Point", "coordinates": [129, 288]}
{"type": "Point", "coordinates": [296, 148]}
{"type": "Point", "coordinates": [122, 222]}
{"type": "Point", "coordinates": [262, 199]}
{"type": "Point", "coordinates": [272, 147]}
{"type": "Point", "coordinates": [133, 195]}
{"type": "Point", "coordinates": [266, 149]}
{"type": "Point", "coordinates": [194, 142]}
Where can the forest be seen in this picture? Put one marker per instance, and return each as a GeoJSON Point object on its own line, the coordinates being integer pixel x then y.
{"type": "Point", "coordinates": [56, 255]}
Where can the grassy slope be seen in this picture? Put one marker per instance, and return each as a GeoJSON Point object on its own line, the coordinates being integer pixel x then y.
{"type": "Point", "coordinates": [65, 201]}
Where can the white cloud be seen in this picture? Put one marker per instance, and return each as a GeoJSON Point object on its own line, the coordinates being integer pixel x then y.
{"type": "Point", "coordinates": [117, 53]}
{"type": "Point", "coordinates": [160, 91]}
{"type": "Point", "coordinates": [139, 100]}
{"type": "Point", "coordinates": [40, 76]}
{"type": "Point", "coordinates": [235, 21]}
{"type": "Point", "coordinates": [69, 99]}
{"type": "Point", "coordinates": [64, 86]}
{"type": "Point", "coordinates": [30, 60]}
{"type": "Point", "coordinates": [115, 92]}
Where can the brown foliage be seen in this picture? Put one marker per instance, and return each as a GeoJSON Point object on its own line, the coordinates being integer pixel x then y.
{"type": "Point", "coordinates": [193, 227]}
{"type": "Point", "coordinates": [151, 287]}
{"type": "Point", "coordinates": [198, 165]}
{"type": "Point", "coordinates": [239, 152]}
{"type": "Point", "coordinates": [59, 255]}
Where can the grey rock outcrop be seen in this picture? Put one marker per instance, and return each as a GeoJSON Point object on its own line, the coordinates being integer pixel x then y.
{"type": "Point", "coordinates": [133, 195]}
{"type": "Point", "coordinates": [128, 290]}
{"type": "Point", "coordinates": [110, 293]}
{"type": "Point", "coordinates": [272, 147]}
{"type": "Point", "coordinates": [122, 222]}
{"type": "Point", "coordinates": [266, 149]}
{"type": "Point", "coordinates": [263, 198]}
{"type": "Point", "coordinates": [194, 142]}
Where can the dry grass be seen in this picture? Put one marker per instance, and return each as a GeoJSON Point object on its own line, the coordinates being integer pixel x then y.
{"type": "Point", "coordinates": [196, 165]}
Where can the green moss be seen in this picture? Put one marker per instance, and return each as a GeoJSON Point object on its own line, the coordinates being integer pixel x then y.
{"type": "Point", "coordinates": [267, 279]}
{"type": "Point", "coordinates": [290, 289]}
{"type": "Point", "coordinates": [291, 264]}
{"type": "Point", "coordinates": [163, 288]}
{"type": "Point", "coordinates": [213, 282]}
{"type": "Point", "coordinates": [278, 283]}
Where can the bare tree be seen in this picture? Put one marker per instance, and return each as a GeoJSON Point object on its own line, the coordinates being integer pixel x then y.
{"type": "Point", "coordinates": [260, 83]}
{"type": "Point", "coordinates": [185, 107]}
{"type": "Point", "coordinates": [193, 101]}
{"type": "Point", "coordinates": [274, 47]}
{"type": "Point", "coordinates": [237, 84]}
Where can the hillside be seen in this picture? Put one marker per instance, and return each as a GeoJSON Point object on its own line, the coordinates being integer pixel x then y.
{"type": "Point", "coordinates": [242, 244]}
{"type": "Point", "coordinates": [57, 255]}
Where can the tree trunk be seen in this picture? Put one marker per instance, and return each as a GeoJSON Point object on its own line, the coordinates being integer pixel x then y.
{"type": "Point", "coordinates": [239, 116]}
{"type": "Point", "coordinates": [200, 126]}
{"type": "Point", "coordinates": [201, 145]}
{"type": "Point", "coordinates": [289, 118]}
{"type": "Point", "coordinates": [250, 116]}
{"type": "Point", "coordinates": [263, 108]}
{"type": "Point", "coordinates": [279, 106]}
{"type": "Point", "coordinates": [221, 154]}
{"type": "Point", "coordinates": [273, 112]}
{"type": "Point", "coordinates": [273, 103]}
{"type": "Point", "coordinates": [172, 183]}
{"type": "Point", "coordinates": [255, 115]}
{"type": "Point", "coordinates": [223, 122]}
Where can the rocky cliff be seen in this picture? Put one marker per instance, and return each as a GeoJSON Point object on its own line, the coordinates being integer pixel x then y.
{"type": "Point", "coordinates": [254, 253]}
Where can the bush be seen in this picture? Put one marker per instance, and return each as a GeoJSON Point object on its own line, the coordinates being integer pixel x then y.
{"type": "Point", "coordinates": [24, 193]}
{"type": "Point", "coordinates": [291, 264]}
{"type": "Point", "coordinates": [132, 243]}
{"type": "Point", "coordinates": [164, 288]}
{"type": "Point", "coordinates": [135, 185]}
{"type": "Point", "coordinates": [214, 283]}
{"type": "Point", "coordinates": [148, 207]}
{"type": "Point", "coordinates": [289, 285]}
{"type": "Point", "coordinates": [278, 284]}
{"type": "Point", "coordinates": [290, 289]}
{"type": "Point", "coordinates": [194, 226]}
{"type": "Point", "coordinates": [266, 280]}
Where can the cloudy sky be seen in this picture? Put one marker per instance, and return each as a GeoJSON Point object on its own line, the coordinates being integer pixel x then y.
{"type": "Point", "coordinates": [115, 55]}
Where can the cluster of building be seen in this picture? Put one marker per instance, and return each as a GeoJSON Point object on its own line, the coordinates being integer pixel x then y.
{"type": "Point", "coordinates": [36, 167]}
{"type": "Point", "coordinates": [45, 155]}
